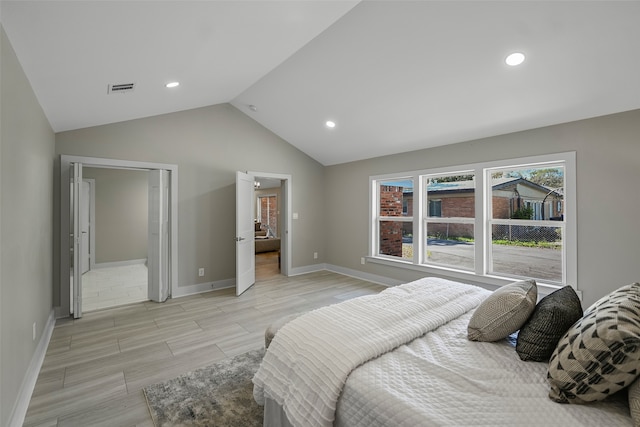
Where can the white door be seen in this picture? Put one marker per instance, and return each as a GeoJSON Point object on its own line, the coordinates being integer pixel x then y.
{"type": "Point", "coordinates": [245, 233]}
{"type": "Point", "coordinates": [77, 243]}
{"type": "Point", "coordinates": [85, 223]}
{"type": "Point", "coordinates": [158, 244]}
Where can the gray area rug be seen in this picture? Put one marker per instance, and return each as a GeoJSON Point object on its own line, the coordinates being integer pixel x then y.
{"type": "Point", "coordinates": [216, 395]}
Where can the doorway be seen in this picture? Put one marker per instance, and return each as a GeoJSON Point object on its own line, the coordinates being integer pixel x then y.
{"type": "Point", "coordinates": [161, 246]}
{"type": "Point", "coordinates": [268, 195]}
{"type": "Point", "coordinates": [118, 235]}
{"type": "Point", "coordinates": [249, 223]}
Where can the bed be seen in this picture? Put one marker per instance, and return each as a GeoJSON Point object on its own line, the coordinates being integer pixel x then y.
{"type": "Point", "coordinates": [409, 361]}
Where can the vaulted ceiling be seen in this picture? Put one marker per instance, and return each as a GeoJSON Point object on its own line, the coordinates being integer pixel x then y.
{"type": "Point", "coordinates": [393, 75]}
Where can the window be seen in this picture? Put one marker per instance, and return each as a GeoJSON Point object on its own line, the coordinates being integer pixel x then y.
{"type": "Point", "coordinates": [526, 221]}
{"type": "Point", "coordinates": [496, 221]}
{"type": "Point", "coordinates": [450, 219]}
{"type": "Point", "coordinates": [268, 214]}
{"type": "Point", "coordinates": [395, 220]}
{"type": "Point", "coordinates": [435, 207]}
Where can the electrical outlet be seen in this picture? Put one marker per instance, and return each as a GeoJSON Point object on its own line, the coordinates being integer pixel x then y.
{"type": "Point", "coordinates": [201, 272]}
{"type": "Point", "coordinates": [34, 331]}
{"type": "Point", "coordinates": [315, 255]}
{"type": "Point", "coordinates": [363, 261]}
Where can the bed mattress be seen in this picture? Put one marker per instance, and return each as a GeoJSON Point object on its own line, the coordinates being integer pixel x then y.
{"type": "Point", "coordinates": [443, 379]}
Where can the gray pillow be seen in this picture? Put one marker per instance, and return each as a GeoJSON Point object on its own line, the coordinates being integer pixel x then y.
{"type": "Point", "coordinates": [551, 319]}
{"type": "Point", "coordinates": [600, 354]}
{"type": "Point", "coordinates": [503, 312]}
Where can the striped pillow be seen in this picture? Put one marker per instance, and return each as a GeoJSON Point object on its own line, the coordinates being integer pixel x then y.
{"type": "Point", "coordinates": [600, 354]}
{"type": "Point", "coordinates": [503, 312]}
{"type": "Point", "coordinates": [551, 319]}
{"type": "Point", "coordinates": [634, 401]}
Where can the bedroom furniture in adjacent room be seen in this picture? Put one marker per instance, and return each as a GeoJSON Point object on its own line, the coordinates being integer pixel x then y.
{"type": "Point", "coordinates": [265, 242]}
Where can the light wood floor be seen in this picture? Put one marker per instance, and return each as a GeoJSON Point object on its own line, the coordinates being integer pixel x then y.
{"type": "Point", "coordinates": [95, 367]}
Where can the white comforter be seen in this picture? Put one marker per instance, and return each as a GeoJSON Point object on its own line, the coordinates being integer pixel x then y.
{"type": "Point", "coordinates": [443, 379]}
{"type": "Point", "coordinates": [307, 363]}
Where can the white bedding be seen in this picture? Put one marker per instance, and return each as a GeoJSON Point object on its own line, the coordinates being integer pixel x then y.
{"type": "Point", "coordinates": [442, 379]}
{"type": "Point", "coordinates": [331, 364]}
{"type": "Point", "coordinates": [307, 362]}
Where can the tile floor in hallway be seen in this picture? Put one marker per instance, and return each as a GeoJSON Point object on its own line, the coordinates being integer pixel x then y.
{"type": "Point", "coordinates": [114, 286]}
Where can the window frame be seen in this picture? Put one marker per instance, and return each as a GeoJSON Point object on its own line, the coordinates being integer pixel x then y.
{"type": "Point", "coordinates": [401, 219]}
{"type": "Point", "coordinates": [428, 219]}
{"type": "Point", "coordinates": [482, 238]}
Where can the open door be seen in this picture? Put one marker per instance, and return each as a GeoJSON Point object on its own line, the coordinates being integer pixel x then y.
{"type": "Point", "coordinates": [245, 233]}
{"type": "Point", "coordinates": [76, 246]}
{"type": "Point", "coordinates": [158, 244]}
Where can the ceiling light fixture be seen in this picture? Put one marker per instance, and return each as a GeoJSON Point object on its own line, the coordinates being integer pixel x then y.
{"type": "Point", "coordinates": [330, 124]}
{"type": "Point", "coordinates": [514, 59]}
{"type": "Point", "coordinates": [172, 84]}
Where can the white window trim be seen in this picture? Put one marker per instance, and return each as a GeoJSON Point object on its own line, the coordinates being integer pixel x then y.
{"type": "Point", "coordinates": [483, 194]}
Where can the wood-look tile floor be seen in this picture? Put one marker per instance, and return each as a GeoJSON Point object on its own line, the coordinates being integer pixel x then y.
{"type": "Point", "coordinates": [95, 367]}
{"type": "Point", "coordinates": [114, 286]}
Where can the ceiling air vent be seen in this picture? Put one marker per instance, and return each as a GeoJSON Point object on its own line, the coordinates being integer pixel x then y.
{"type": "Point", "coordinates": [121, 88]}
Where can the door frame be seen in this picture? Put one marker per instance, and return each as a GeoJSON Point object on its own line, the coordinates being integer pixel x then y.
{"type": "Point", "coordinates": [65, 174]}
{"type": "Point", "coordinates": [92, 222]}
{"type": "Point", "coordinates": [285, 234]}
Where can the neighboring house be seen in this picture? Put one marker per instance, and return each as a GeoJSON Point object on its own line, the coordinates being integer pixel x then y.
{"type": "Point", "coordinates": [455, 199]}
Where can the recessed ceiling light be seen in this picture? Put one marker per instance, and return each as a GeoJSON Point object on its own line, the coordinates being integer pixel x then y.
{"type": "Point", "coordinates": [514, 59]}
{"type": "Point", "coordinates": [172, 84]}
{"type": "Point", "coordinates": [330, 124]}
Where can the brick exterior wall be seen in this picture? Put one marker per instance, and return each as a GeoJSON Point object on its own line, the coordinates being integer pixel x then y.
{"type": "Point", "coordinates": [501, 208]}
{"type": "Point", "coordinates": [391, 231]}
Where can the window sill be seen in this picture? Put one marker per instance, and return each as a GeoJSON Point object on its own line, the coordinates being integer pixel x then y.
{"type": "Point", "coordinates": [488, 282]}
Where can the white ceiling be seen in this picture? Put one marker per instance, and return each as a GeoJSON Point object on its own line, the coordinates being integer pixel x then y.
{"type": "Point", "coordinates": [394, 75]}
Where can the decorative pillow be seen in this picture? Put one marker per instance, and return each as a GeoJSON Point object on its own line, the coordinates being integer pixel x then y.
{"type": "Point", "coordinates": [634, 401]}
{"type": "Point", "coordinates": [600, 354]}
{"type": "Point", "coordinates": [503, 312]}
{"type": "Point", "coordinates": [551, 319]}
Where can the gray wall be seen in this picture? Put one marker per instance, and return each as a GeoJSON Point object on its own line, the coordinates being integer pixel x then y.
{"type": "Point", "coordinates": [209, 144]}
{"type": "Point", "coordinates": [608, 178]}
{"type": "Point", "coordinates": [122, 213]}
{"type": "Point", "coordinates": [26, 188]}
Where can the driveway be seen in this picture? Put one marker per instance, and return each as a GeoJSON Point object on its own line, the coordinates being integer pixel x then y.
{"type": "Point", "coordinates": [542, 263]}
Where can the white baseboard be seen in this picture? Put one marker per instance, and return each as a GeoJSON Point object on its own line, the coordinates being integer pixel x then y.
{"type": "Point", "coordinates": [120, 263]}
{"type": "Point", "coordinates": [183, 291]}
{"type": "Point", "coordinates": [29, 382]}
{"type": "Point", "coordinates": [296, 271]}
{"type": "Point", "coordinates": [381, 280]}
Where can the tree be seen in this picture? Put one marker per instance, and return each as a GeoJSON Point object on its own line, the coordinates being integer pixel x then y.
{"type": "Point", "coordinates": [550, 178]}
{"type": "Point", "coordinates": [453, 178]}
{"type": "Point", "coordinates": [523, 213]}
